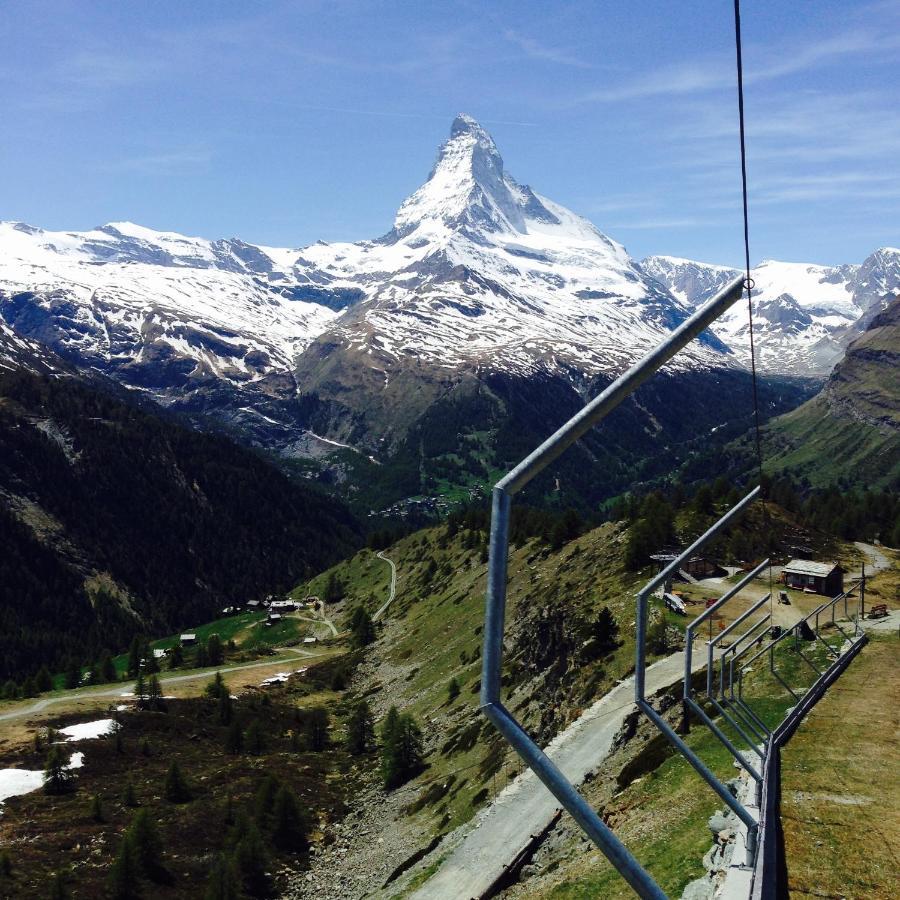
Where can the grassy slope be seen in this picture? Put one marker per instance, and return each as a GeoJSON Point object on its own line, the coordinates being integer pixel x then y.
{"type": "Point", "coordinates": [433, 633]}
{"type": "Point", "coordinates": [813, 443]}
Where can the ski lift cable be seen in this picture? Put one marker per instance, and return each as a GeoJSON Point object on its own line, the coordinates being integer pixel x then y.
{"type": "Point", "coordinates": [748, 281]}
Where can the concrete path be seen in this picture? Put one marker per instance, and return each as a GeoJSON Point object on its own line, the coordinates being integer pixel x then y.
{"type": "Point", "coordinates": [496, 835]}
{"type": "Point", "coordinates": [383, 608]}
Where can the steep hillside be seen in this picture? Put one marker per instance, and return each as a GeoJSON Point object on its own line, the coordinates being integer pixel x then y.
{"type": "Point", "coordinates": [850, 432]}
{"type": "Point", "coordinates": [115, 521]}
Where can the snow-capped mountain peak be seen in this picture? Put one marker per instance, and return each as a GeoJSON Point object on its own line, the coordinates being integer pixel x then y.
{"type": "Point", "coordinates": [468, 188]}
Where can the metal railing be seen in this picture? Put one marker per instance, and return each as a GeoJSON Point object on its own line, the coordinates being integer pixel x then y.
{"type": "Point", "coordinates": [727, 702]}
{"type": "Point", "coordinates": [495, 613]}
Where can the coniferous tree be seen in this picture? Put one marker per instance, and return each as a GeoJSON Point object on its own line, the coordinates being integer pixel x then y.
{"type": "Point", "coordinates": [201, 659]}
{"type": "Point", "coordinates": [452, 690]}
{"type": "Point", "coordinates": [360, 729]}
{"type": "Point", "coordinates": [176, 788]}
{"type": "Point", "coordinates": [317, 729]}
{"type": "Point", "coordinates": [176, 657]}
{"type": "Point", "coordinates": [129, 798]}
{"type": "Point", "coordinates": [402, 754]}
{"type": "Point", "coordinates": [216, 687]}
{"type": "Point", "coordinates": [223, 883]}
{"type": "Point", "coordinates": [362, 630]}
{"type": "Point", "coordinates": [10, 690]}
{"type": "Point", "coordinates": [43, 680]}
{"type": "Point", "coordinates": [226, 710]}
{"type": "Point", "coordinates": [265, 798]}
{"type": "Point", "coordinates": [97, 813]}
{"type": "Point", "coordinates": [124, 877]}
{"type": "Point", "coordinates": [254, 739]}
{"type": "Point", "coordinates": [289, 828]}
{"type": "Point", "coordinates": [72, 676]}
{"type": "Point", "coordinates": [147, 843]}
{"type": "Point", "coordinates": [234, 740]}
{"type": "Point", "coordinates": [251, 859]}
{"type": "Point", "coordinates": [108, 669]}
{"type": "Point", "coordinates": [140, 691]}
{"type": "Point", "coordinates": [133, 666]}
{"type": "Point", "coordinates": [154, 694]}
{"type": "Point", "coordinates": [57, 774]}
{"type": "Point", "coordinates": [215, 653]}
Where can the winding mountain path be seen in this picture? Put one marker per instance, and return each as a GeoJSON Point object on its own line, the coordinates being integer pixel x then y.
{"type": "Point", "coordinates": [383, 608]}
{"type": "Point", "coordinates": [476, 856]}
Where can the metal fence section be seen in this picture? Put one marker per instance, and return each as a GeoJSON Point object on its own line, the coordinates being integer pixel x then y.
{"type": "Point", "coordinates": [725, 699]}
{"type": "Point", "coordinates": [495, 613]}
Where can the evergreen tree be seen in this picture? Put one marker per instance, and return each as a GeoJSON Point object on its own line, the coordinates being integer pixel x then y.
{"type": "Point", "coordinates": [43, 680]}
{"type": "Point", "coordinates": [108, 669]}
{"type": "Point", "coordinates": [10, 690]}
{"type": "Point", "coordinates": [129, 798]}
{"type": "Point", "coordinates": [124, 876]}
{"type": "Point", "coordinates": [57, 775]}
{"type": "Point", "coordinates": [223, 881]}
{"type": "Point", "coordinates": [225, 711]}
{"type": "Point", "coordinates": [201, 659]}
{"type": "Point", "coordinates": [215, 688]}
{"type": "Point", "coordinates": [97, 813]}
{"type": "Point", "coordinates": [72, 676]}
{"type": "Point", "coordinates": [402, 753]}
{"type": "Point", "coordinates": [658, 637]}
{"type": "Point", "coordinates": [334, 590]}
{"type": "Point", "coordinates": [452, 690]}
{"type": "Point", "coordinates": [176, 657]}
{"type": "Point", "coordinates": [140, 691]}
{"type": "Point", "coordinates": [29, 688]}
{"type": "Point", "coordinates": [176, 788]}
{"type": "Point", "coordinates": [234, 740]}
{"type": "Point", "coordinates": [288, 826]}
{"type": "Point", "coordinates": [317, 729]}
{"type": "Point", "coordinates": [255, 742]}
{"type": "Point", "coordinates": [362, 631]}
{"type": "Point", "coordinates": [134, 657]}
{"type": "Point", "coordinates": [251, 860]}
{"type": "Point", "coordinates": [147, 842]}
{"type": "Point", "coordinates": [264, 801]}
{"type": "Point", "coordinates": [150, 663]}
{"type": "Point", "coordinates": [154, 694]}
{"type": "Point", "coordinates": [215, 653]}
{"type": "Point", "coordinates": [360, 729]}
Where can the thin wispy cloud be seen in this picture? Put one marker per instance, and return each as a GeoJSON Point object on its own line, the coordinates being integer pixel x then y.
{"type": "Point", "coordinates": [173, 162]}
{"type": "Point", "coordinates": [717, 72]}
{"type": "Point", "coordinates": [535, 49]}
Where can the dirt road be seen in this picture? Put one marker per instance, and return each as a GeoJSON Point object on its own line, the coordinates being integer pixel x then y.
{"type": "Point", "coordinates": [288, 654]}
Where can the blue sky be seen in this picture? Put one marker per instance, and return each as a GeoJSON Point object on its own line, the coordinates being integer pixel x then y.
{"type": "Point", "coordinates": [286, 123]}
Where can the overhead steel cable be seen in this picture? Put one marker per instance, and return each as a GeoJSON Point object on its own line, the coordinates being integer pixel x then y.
{"type": "Point", "coordinates": [748, 281]}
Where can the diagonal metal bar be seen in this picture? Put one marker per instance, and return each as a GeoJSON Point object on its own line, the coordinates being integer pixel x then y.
{"type": "Point", "coordinates": [620, 389]}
